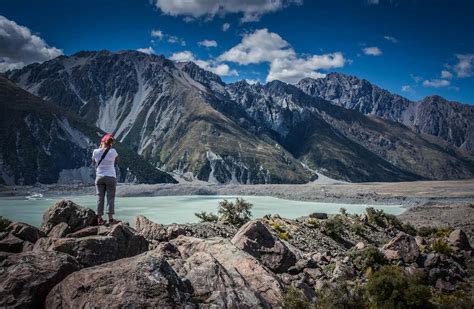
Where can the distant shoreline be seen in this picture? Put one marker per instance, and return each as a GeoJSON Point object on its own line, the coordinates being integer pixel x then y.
{"type": "Point", "coordinates": [400, 193]}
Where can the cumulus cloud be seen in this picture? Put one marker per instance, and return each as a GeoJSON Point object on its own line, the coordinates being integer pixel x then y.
{"type": "Point", "coordinates": [175, 40]}
{"type": "Point", "coordinates": [263, 46]}
{"type": "Point", "coordinates": [208, 43]}
{"type": "Point", "coordinates": [19, 47]}
{"type": "Point", "coordinates": [372, 51]}
{"type": "Point", "coordinates": [391, 39]}
{"type": "Point", "coordinates": [157, 34]}
{"type": "Point", "coordinates": [436, 83]}
{"type": "Point", "coordinates": [446, 74]}
{"type": "Point", "coordinates": [251, 10]}
{"type": "Point", "coordinates": [465, 65]}
{"type": "Point", "coordinates": [225, 27]}
{"type": "Point", "coordinates": [148, 50]}
{"type": "Point", "coordinates": [221, 69]}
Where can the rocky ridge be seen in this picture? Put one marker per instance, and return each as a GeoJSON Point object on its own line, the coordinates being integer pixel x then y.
{"type": "Point", "coordinates": [72, 262]}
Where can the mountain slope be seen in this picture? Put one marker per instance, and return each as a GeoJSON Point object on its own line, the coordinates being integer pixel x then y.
{"type": "Point", "coordinates": [162, 113]}
{"type": "Point", "coordinates": [346, 143]}
{"type": "Point", "coordinates": [41, 143]}
{"type": "Point", "coordinates": [433, 115]}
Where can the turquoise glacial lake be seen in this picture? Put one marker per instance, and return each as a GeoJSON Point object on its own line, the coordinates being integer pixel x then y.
{"type": "Point", "coordinates": [178, 209]}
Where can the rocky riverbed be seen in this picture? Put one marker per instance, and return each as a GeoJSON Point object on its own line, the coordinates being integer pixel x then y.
{"type": "Point", "coordinates": [70, 262]}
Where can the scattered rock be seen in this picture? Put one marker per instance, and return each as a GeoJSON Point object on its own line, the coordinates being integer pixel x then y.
{"type": "Point", "coordinates": [12, 244]}
{"type": "Point", "coordinates": [25, 231]}
{"type": "Point", "coordinates": [150, 230]}
{"type": "Point", "coordinates": [67, 211]}
{"type": "Point", "coordinates": [459, 240]}
{"type": "Point", "coordinates": [245, 270]}
{"type": "Point", "coordinates": [87, 231]}
{"type": "Point", "coordinates": [318, 215]}
{"type": "Point", "coordinates": [402, 247]}
{"type": "Point", "coordinates": [143, 281]}
{"type": "Point", "coordinates": [59, 230]}
{"type": "Point", "coordinates": [26, 278]}
{"type": "Point", "coordinates": [118, 242]}
{"type": "Point", "coordinates": [255, 239]}
{"type": "Point", "coordinates": [360, 245]}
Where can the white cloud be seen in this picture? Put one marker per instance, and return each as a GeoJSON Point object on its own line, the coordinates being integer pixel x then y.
{"type": "Point", "coordinates": [436, 83]}
{"type": "Point", "coordinates": [175, 40]}
{"type": "Point", "coordinates": [446, 74]}
{"type": "Point", "coordinates": [391, 39]}
{"type": "Point", "coordinates": [208, 43]}
{"type": "Point", "coordinates": [264, 46]}
{"type": "Point", "coordinates": [182, 56]}
{"type": "Point", "coordinates": [465, 65]}
{"type": "Point", "coordinates": [19, 47]}
{"type": "Point", "coordinates": [252, 81]}
{"type": "Point", "coordinates": [225, 27]}
{"type": "Point", "coordinates": [372, 51]}
{"type": "Point", "coordinates": [221, 69]}
{"type": "Point", "coordinates": [416, 78]}
{"type": "Point", "coordinates": [157, 34]}
{"type": "Point", "coordinates": [406, 88]}
{"type": "Point", "coordinates": [149, 50]}
{"type": "Point", "coordinates": [251, 10]}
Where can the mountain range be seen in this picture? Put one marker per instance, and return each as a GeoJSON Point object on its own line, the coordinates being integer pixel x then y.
{"type": "Point", "coordinates": [179, 118]}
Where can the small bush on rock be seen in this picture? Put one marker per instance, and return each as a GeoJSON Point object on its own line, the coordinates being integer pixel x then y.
{"type": "Point", "coordinates": [428, 231]}
{"type": "Point", "coordinates": [334, 227]}
{"type": "Point", "coordinates": [340, 294]}
{"type": "Point", "coordinates": [441, 246]}
{"type": "Point", "coordinates": [237, 213]}
{"type": "Point", "coordinates": [391, 287]}
{"type": "Point", "coordinates": [382, 219]}
{"type": "Point", "coordinates": [357, 229]}
{"type": "Point", "coordinates": [206, 217]}
{"type": "Point", "coordinates": [409, 229]}
{"type": "Point", "coordinates": [370, 256]}
{"type": "Point", "coordinates": [295, 299]}
{"type": "Point", "coordinates": [343, 211]}
{"type": "Point", "coordinates": [4, 223]}
{"type": "Point", "coordinates": [281, 233]}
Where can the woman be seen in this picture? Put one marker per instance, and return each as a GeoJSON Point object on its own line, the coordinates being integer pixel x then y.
{"type": "Point", "coordinates": [106, 180]}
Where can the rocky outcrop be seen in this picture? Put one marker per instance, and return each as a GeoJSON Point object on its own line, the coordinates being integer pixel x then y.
{"type": "Point", "coordinates": [93, 245]}
{"type": "Point", "coordinates": [458, 239]}
{"type": "Point", "coordinates": [255, 239]}
{"type": "Point", "coordinates": [68, 212]}
{"type": "Point", "coordinates": [403, 247]}
{"type": "Point", "coordinates": [246, 272]}
{"type": "Point", "coordinates": [19, 237]}
{"type": "Point", "coordinates": [26, 278]}
{"type": "Point", "coordinates": [144, 281]}
{"type": "Point", "coordinates": [25, 231]}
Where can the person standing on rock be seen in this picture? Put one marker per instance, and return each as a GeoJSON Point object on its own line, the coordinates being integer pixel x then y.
{"type": "Point", "coordinates": [106, 179]}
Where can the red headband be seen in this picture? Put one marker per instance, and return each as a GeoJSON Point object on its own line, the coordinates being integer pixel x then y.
{"type": "Point", "coordinates": [107, 137]}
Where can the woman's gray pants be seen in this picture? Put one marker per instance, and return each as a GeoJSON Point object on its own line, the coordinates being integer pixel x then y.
{"type": "Point", "coordinates": [105, 184]}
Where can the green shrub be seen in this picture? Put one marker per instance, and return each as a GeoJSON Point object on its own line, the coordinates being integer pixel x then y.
{"type": "Point", "coordinates": [370, 256]}
{"type": "Point", "coordinates": [206, 217]}
{"type": "Point", "coordinates": [343, 211]}
{"type": "Point", "coordinates": [409, 229]}
{"type": "Point", "coordinates": [313, 223]}
{"type": "Point", "coordinates": [457, 299]}
{"type": "Point", "coordinates": [340, 294]}
{"type": "Point", "coordinates": [334, 227]}
{"type": "Point", "coordinates": [4, 223]}
{"type": "Point", "coordinates": [438, 232]}
{"type": "Point", "coordinates": [295, 299]}
{"type": "Point", "coordinates": [235, 214]}
{"type": "Point", "coordinates": [357, 229]}
{"type": "Point", "coordinates": [391, 287]}
{"type": "Point", "coordinates": [441, 246]}
{"type": "Point", "coordinates": [382, 219]}
{"type": "Point", "coordinates": [281, 232]}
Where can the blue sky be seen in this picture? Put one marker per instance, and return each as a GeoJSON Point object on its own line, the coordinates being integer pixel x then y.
{"type": "Point", "coordinates": [411, 47]}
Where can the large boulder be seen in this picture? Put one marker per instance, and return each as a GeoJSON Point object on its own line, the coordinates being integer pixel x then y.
{"type": "Point", "coordinates": [116, 242]}
{"type": "Point", "coordinates": [25, 231]}
{"type": "Point", "coordinates": [26, 278]}
{"type": "Point", "coordinates": [150, 230]}
{"type": "Point", "coordinates": [402, 247]}
{"type": "Point", "coordinates": [13, 244]}
{"type": "Point", "coordinates": [458, 239]}
{"type": "Point", "coordinates": [213, 285]}
{"type": "Point", "coordinates": [255, 239]}
{"type": "Point", "coordinates": [143, 281]}
{"type": "Point", "coordinates": [66, 211]}
{"type": "Point", "coordinates": [246, 272]}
